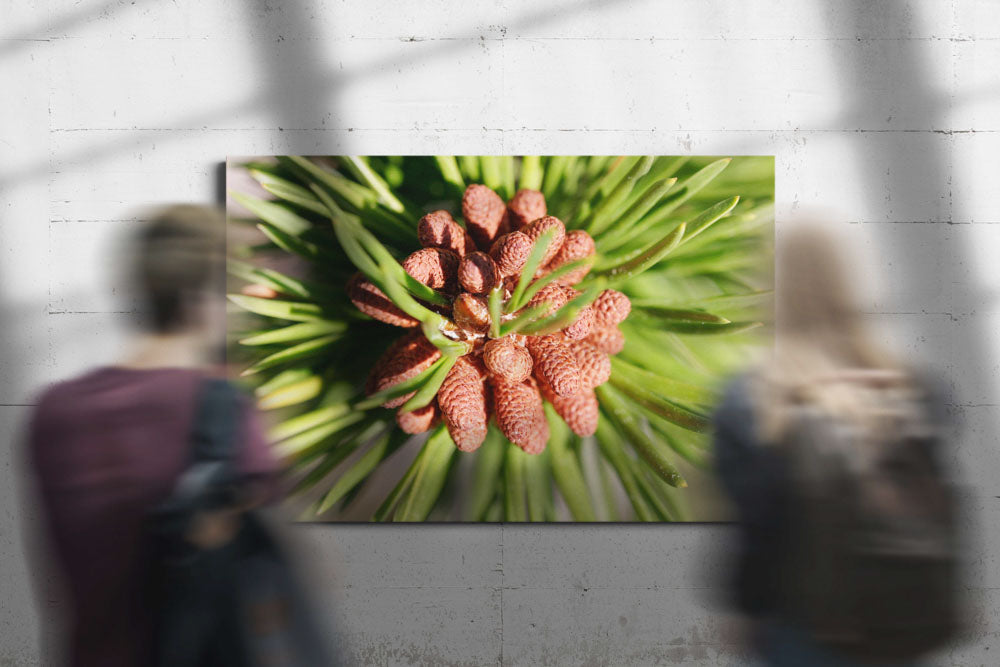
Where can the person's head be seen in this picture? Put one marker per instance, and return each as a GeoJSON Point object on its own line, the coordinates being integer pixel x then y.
{"type": "Point", "coordinates": [818, 318]}
{"type": "Point", "coordinates": [179, 265]}
{"type": "Point", "coordinates": [813, 291]}
{"type": "Point", "coordinates": [821, 333]}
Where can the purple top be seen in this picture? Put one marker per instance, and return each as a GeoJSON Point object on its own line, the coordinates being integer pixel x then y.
{"type": "Point", "coordinates": [106, 448]}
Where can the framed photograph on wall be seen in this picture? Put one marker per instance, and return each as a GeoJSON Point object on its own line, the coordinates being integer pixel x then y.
{"type": "Point", "coordinates": [498, 338]}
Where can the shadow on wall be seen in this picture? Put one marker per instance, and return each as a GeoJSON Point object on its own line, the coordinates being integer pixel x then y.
{"type": "Point", "coordinates": [62, 25]}
{"type": "Point", "coordinates": [300, 86]}
{"type": "Point", "coordinates": [967, 348]}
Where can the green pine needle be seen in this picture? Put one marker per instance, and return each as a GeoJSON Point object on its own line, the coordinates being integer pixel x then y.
{"type": "Point", "coordinates": [607, 211]}
{"type": "Point", "coordinates": [495, 305]}
{"type": "Point", "coordinates": [278, 309]}
{"type": "Point", "coordinates": [451, 172]}
{"type": "Point", "coordinates": [627, 423]}
{"type": "Point", "coordinates": [308, 420]}
{"type": "Point", "coordinates": [531, 172]}
{"type": "Point", "coordinates": [514, 496]}
{"type": "Point", "coordinates": [489, 463]}
{"type": "Point", "coordinates": [517, 300]}
{"type": "Point", "coordinates": [284, 189]}
{"type": "Point", "coordinates": [629, 267]}
{"type": "Point", "coordinates": [566, 470]}
{"type": "Point", "coordinates": [296, 352]}
{"type": "Point", "coordinates": [359, 166]}
{"type": "Point", "coordinates": [295, 332]}
{"type": "Point", "coordinates": [524, 318]}
{"type": "Point", "coordinates": [429, 390]}
{"type": "Point", "coordinates": [567, 314]}
{"type": "Point", "coordinates": [536, 286]}
{"type": "Point", "coordinates": [431, 469]}
{"type": "Point", "coordinates": [276, 215]}
{"type": "Point", "coordinates": [385, 446]}
{"type": "Point", "coordinates": [401, 388]}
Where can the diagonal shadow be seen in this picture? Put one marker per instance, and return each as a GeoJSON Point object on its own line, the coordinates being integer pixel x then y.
{"type": "Point", "coordinates": [968, 350]}
{"type": "Point", "coordinates": [302, 84]}
{"type": "Point", "coordinates": [933, 173]}
{"type": "Point", "coordinates": [65, 23]}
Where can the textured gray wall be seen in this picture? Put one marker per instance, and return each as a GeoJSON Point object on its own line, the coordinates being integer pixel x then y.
{"type": "Point", "coordinates": [884, 114]}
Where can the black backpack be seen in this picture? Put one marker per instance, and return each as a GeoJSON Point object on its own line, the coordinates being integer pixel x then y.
{"type": "Point", "coordinates": [236, 605]}
{"type": "Point", "coordinates": [873, 546]}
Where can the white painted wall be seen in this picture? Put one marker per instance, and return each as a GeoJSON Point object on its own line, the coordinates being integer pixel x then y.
{"type": "Point", "coordinates": [885, 113]}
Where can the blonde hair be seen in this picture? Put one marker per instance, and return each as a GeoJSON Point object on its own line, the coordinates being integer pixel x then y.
{"type": "Point", "coordinates": [825, 353]}
{"type": "Point", "coordinates": [178, 255]}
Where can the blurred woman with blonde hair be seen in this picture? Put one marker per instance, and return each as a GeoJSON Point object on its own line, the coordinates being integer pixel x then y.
{"type": "Point", "coordinates": [827, 448]}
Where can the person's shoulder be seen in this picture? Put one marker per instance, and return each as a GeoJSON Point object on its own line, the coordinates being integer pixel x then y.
{"type": "Point", "coordinates": [737, 394]}
{"type": "Point", "coordinates": [934, 384]}
{"type": "Point", "coordinates": [98, 386]}
{"type": "Point", "coordinates": [734, 414]}
{"type": "Point", "coordinates": [55, 404]}
{"type": "Point", "coordinates": [58, 393]}
{"type": "Point", "coordinates": [936, 393]}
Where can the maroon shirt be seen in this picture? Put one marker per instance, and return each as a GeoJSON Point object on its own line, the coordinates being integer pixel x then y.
{"type": "Point", "coordinates": [106, 448]}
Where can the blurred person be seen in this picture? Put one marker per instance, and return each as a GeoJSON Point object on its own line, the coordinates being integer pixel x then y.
{"type": "Point", "coordinates": [146, 515]}
{"type": "Point", "coordinates": [831, 455]}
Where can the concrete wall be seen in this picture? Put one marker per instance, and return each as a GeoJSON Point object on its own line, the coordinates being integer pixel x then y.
{"type": "Point", "coordinates": [885, 112]}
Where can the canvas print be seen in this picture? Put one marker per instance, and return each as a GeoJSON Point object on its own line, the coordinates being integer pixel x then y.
{"type": "Point", "coordinates": [498, 338]}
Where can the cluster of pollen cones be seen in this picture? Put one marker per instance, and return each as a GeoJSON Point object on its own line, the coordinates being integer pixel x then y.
{"type": "Point", "coordinates": [504, 378]}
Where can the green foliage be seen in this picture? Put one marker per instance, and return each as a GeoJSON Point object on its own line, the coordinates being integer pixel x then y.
{"type": "Point", "coordinates": [687, 239]}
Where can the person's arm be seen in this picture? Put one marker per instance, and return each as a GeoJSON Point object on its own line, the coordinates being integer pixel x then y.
{"type": "Point", "coordinates": [43, 465]}
{"type": "Point", "coordinates": [754, 477]}
{"type": "Point", "coordinates": [256, 460]}
{"type": "Point", "coordinates": [260, 483]}
{"type": "Point", "coordinates": [733, 445]}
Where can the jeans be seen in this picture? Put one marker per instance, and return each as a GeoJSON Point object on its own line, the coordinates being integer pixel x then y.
{"type": "Point", "coordinates": [785, 645]}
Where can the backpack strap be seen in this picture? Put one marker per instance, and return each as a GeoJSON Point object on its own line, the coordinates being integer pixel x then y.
{"type": "Point", "coordinates": [213, 436]}
{"type": "Point", "coordinates": [209, 480]}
